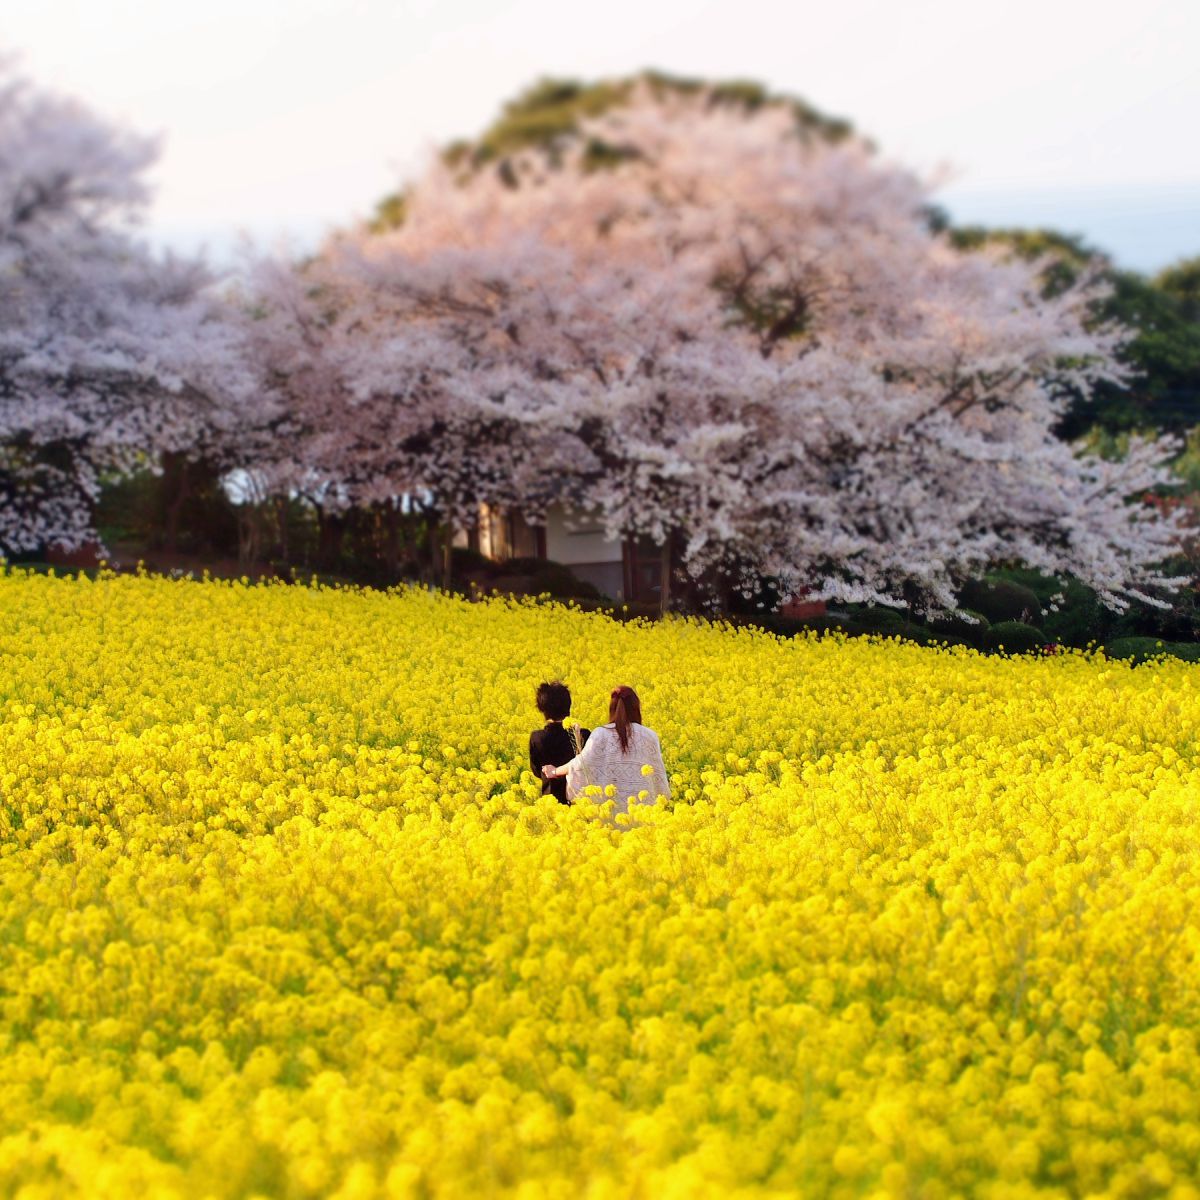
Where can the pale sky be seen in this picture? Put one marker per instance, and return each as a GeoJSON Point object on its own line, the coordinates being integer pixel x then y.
{"type": "Point", "coordinates": [289, 117]}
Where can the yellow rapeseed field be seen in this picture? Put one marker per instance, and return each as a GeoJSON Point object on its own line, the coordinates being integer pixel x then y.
{"type": "Point", "coordinates": [282, 912]}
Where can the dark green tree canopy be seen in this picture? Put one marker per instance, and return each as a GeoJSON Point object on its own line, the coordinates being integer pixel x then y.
{"type": "Point", "coordinates": [552, 109]}
{"type": "Point", "coordinates": [1163, 312]}
{"type": "Point", "coordinates": [1182, 283]}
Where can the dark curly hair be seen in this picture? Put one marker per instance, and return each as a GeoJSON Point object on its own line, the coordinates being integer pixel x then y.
{"type": "Point", "coordinates": [554, 700]}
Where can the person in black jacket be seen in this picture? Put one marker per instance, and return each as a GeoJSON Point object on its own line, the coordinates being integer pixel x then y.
{"type": "Point", "coordinates": [553, 745]}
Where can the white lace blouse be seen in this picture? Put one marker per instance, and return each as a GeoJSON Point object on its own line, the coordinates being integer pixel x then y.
{"type": "Point", "coordinates": [602, 763]}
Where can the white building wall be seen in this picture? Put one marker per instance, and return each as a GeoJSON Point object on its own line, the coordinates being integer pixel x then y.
{"type": "Point", "coordinates": [571, 539]}
{"type": "Point", "coordinates": [578, 539]}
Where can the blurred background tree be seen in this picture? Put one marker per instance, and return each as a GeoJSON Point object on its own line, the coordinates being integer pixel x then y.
{"type": "Point", "coordinates": [1163, 395]}
{"type": "Point", "coordinates": [1164, 313]}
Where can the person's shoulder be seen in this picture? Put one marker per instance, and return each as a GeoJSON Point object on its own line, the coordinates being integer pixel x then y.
{"type": "Point", "coordinates": [537, 737]}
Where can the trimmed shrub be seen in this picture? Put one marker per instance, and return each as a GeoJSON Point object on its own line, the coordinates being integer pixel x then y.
{"type": "Point", "coordinates": [1001, 600]}
{"type": "Point", "coordinates": [1080, 619]}
{"type": "Point", "coordinates": [465, 561]}
{"type": "Point", "coordinates": [1135, 649]}
{"type": "Point", "coordinates": [876, 619]}
{"type": "Point", "coordinates": [885, 622]}
{"type": "Point", "coordinates": [766, 598]}
{"type": "Point", "coordinates": [562, 584]}
{"type": "Point", "coordinates": [589, 591]}
{"type": "Point", "coordinates": [593, 604]}
{"type": "Point", "coordinates": [1179, 623]}
{"type": "Point", "coordinates": [553, 577]}
{"type": "Point", "coordinates": [1187, 651]}
{"type": "Point", "coordinates": [1042, 586]}
{"type": "Point", "coordinates": [826, 624]}
{"type": "Point", "coordinates": [516, 585]}
{"type": "Point", "coordinates": [905, 630]}
{"type": "Point", "coordinates": [635, 610]}
{"type": "Point", "coordinates": [527, 566]}
{"type": "Point", "coordinates": [953, 627]}
{"type": "Point", "coordinates": [793, 626]}
{"type": "Point", "coordinates": [771, 623]}
{"type": "Point", "coordinates": [1014, 637]}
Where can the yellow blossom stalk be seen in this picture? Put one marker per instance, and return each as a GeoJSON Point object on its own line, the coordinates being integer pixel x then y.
{"type": "Point", "coordinates": [283, 913]}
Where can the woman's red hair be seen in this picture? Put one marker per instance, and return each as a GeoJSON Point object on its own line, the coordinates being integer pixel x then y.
{"type": "Point", "coordinates": [624, 711]}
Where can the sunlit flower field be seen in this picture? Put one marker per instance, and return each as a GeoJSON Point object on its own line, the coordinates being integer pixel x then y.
{"type": "Point", "coordinates": [282, 912]}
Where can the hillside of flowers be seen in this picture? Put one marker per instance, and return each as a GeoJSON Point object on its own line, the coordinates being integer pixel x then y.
{"type": "Point", "coordinates": [282, 913]}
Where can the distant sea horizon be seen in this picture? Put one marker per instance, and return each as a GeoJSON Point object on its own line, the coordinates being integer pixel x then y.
{"type": "Point", "coordinates": [1141, 228]}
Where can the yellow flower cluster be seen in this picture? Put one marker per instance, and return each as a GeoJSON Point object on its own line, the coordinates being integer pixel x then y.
{"type": "Point", "coordinates": [282, 912]}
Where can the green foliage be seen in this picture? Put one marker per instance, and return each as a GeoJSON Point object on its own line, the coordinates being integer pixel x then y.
{"type": "Point", "coordinates": [185, 503]}
{"type": "Point", "coordinates": [390, 212]}
{"type": "Point", "coordinates": [1187, 651]}
{"type": "Point", "coordinates": [1182, 283]}
{"type": "Point", "coordinates": [1163, 313]}
{"type": "Point", "coordinates": [35, 566]}
{"type": "Point", "coordinates": [467, 562]}
{"type": "Point", "coordinates": [552, 108]}
{"type": "Point", "coordinates": [1080, 617]}
{"type": "Point", "coordinates": [562, 583]}
{"type": "Point", "coordinates": [529, 566]}
{"type": "Point", "coordinates": [1165, 353]}
{"type": "Point", "coordinates": [1000, 599]}
{"type": "Point", "coordinates": [911, 631]}
{"type": "Point", "coordinates": [1071, 253]}
{"type": "Point", "coordinates": [1014, 637]}
{"type": "Point", "coordinates": [794, 626]}
{"type": "Point", "coordinates": [956, 628]}
{"type": "Point", "coordinates": [764, 599]}
{"type": "Point", "coordinates": [1044, 587]}
{"type": "Point", "coordinates": [874, 618]}
{"type": "Point", "coordinates": [1187, 465]}
{"type": "Point", "coordinates": [1135, 649]}
{"type": "Point", "coordinates": [885, 622]}
{"type": "Point", "coordinates": [127, 508]}
{"type": "Point", "coordinates": [1180, 622]}
{"type": "Point", "coordinates": [637, 610]}
{"type": "Point", "coordinates": [824, 624]}
{"type": "Point", "coordinates": [551, 577]}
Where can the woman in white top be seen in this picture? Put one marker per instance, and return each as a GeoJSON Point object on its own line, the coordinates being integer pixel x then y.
{"type": "Point", "coordinates": [615, 755]}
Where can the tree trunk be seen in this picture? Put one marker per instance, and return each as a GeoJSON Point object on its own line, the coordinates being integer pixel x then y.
{"type": "Point", "coordinates": [281, 520]}
{"type": "Point", "coordinates": [447, 554]}
{"type": "Point", "coordinates": [432, 529]}
{"type": "Point", "coordinates": [391, 541]}
{"type": "Point", "coordinates": [664, 595]}
{"type": "Point", "coordinates": [176, 487]}
{"type": "Point", "coordinates": [249, 534]}
{"type": "Point", "coordinates": [331, 528]}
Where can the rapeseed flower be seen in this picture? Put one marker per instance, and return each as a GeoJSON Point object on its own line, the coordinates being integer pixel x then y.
{"type": "Point", "coordinates": [283, 912]}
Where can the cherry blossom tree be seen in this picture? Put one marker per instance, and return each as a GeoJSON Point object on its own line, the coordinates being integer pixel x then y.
{"type": "Point", "coordinates": [109, 356]}
{"type": "Point", "coordinates": [750, 338]}
{"type": "Point", "coordinates": [393, 383]}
